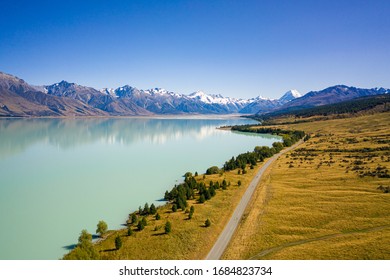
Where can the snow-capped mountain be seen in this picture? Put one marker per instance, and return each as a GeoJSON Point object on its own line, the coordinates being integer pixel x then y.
{"type": "Point", "coordinates": [331, 95]}
{"type": "Point", "coordinates": [220, 103]}
{"type": "Point", "coordinates": [260, 103]}
{"type": "Point", "coordinates": [290, 95]}
{"type": "Point", "coordinates": [64, 98]}
{"type": "Point", "coordinates": [211, 98]}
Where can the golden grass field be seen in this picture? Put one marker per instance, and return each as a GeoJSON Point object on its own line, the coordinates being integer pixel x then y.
{"type": "Point", "coordinates": [321, 200]}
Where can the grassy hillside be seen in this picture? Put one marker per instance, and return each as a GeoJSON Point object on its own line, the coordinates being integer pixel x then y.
{"type": "Point", "coordinates": [321, 201]}
{"type": "Point", "coordinates": [351, 108]}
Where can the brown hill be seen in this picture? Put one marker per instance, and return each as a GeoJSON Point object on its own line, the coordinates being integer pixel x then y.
{"type": "Point", "coordinates": [19, 99]}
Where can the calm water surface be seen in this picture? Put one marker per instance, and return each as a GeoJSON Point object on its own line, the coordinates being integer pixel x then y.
{"type": "Point", "coordinates": [59, 176]}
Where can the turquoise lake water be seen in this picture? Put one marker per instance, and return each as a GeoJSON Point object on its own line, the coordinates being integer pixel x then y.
{"type": "Point", "coordinates": [59, 176]}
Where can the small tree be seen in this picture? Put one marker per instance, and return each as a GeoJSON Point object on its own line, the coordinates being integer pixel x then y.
{"type": "Point", "coordinates": [153, 209]}
{"type": "Point", "coordinates": [168, 227]}
{"type": "Point", "coordinates": [202, 199]}
{"type": "Point", "coordinates": [84, 249]}
{"type": "Point", "coordinates": [158, 217]}
{"type": "Point", "coordinates": [174, 207]}
{"type": "Point", "coordinates": [129, 231]}
{"type": "Point", "coordinates": [207, 223]}
{"type": "Point", "coordinates": [85, 237]}
{"type": "Point", "coordinates": [134, 218]}
{"type": "Point", "coordinates": [118, 242]}
{"type": "Point", "coordinates": [192, 209]}
{"type": "Point", "coordinates": [144, 221]}
{"type": "Point", "coordinates": [101, 228]}
{"type": "Point", "coordinates": [167, 196]}
{"type": "Point", "coordinates": [239, 183]}
{"type": "Point", "coordinates": [207, 194]}
{"type": "Point", "coordinates": [212, 170]}
{"type": "Point", "coordinates": [146, 210]}
{"type": "Point", "coordinates": [140, 226]}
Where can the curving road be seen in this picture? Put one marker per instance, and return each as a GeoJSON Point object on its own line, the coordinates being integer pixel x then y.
{"type": "Point", "coordinates": [227, 233]}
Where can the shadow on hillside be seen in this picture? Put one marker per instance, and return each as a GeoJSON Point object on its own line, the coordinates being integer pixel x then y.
{"type": "Point", "coordinates": [69, 247]}
{"type": "Point", "coordinates": [108, 250]}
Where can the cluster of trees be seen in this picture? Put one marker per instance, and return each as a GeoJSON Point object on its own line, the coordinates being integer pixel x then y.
{"type": "Point", "coordinates": [84, 249]}
{"type": "Point", "coordinates": [295, 134]}
{"type": "Point", "coordinates": [152, 210]}
{"type": "Point", "coordinates": [260, 153]}
{"type": "Point", "coordinates": [241, 161]}
{"type": "Point", "coordinates": [187, 190]}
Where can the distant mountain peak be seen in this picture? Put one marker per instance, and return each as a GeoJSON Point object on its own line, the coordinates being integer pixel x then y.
{"type": "Point", "coordinates": [290, 95]}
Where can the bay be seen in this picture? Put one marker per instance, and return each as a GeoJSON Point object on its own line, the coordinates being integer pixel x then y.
{"type": "Point", "coordinates": [59, 176]}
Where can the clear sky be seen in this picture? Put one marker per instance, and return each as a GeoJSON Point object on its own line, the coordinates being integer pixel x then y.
{"type": "Point", "coordinates": [234, 48]}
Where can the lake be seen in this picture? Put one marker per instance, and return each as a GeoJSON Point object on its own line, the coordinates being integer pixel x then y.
{"type": "Point", "coordinates": [59, 176]}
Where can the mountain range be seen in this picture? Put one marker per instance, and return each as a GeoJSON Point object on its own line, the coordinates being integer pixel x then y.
{"type": "Point", "coordinates": [19, 99]}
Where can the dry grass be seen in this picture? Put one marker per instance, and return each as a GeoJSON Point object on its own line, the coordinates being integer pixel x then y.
{"type": "Point", "coordinates": [314, 203]}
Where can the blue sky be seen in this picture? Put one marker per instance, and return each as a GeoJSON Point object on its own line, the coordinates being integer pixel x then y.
{"type": "Point", "coordinates": [234, 48]}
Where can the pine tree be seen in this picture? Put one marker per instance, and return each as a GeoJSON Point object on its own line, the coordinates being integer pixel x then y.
{"type": "Point", "coordinates": [167, 196]}
{"type": "Point", "coordinates": [153, 209]}
{"type": "Point", "coordinates": [140, 226]}
{"type": "Point", "coordinates": [146, 210]}
{"type": "Point", "coordinates": [158, 217]}
{"type": "Point", "coordinates": [118, 242]}
{"type": "Point", "coordinates": [207, 223]}
{"type": "Point", "coordinates": [134, 218]}
{"type": "Point", "coordinates": [168, 227]}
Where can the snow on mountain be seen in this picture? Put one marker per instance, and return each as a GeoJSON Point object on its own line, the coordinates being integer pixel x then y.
{"type": "Point", "coordinates": [215, 98]}
{"type": "Point", "coordinates": [290, 95]}
{"type": "Point", "coordinates": [109, 91]}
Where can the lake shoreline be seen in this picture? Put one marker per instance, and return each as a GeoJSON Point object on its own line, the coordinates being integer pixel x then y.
{"type": "Point", "coordinates": [152, 116]}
